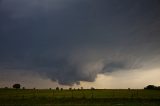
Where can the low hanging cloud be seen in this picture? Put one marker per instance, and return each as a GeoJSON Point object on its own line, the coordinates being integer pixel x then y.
{"type": "Point", "coordinates": [71, 41]}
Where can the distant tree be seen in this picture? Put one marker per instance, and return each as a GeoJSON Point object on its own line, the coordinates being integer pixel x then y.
{"type": "Point", "coordinates": [23, 88]}
{"type": "Point", "coordinates": [5, 87]}
{"type": "Point", "coordinates": [17, 86]}
{"type": "Point", "coordinates": [150, 87]}
{"type": "Point", "coordinates": [57, 88]}
{"type": "Point", "coordinates": [70, 89]}
{"type": "Point", "coordinates": [61, 89]}
{"type": "Point", "coordinates": [81, 88]}
{"type": "Point", "coordinates": [92, 88]}
{"type": "Point", "coordinates": [50, 88]}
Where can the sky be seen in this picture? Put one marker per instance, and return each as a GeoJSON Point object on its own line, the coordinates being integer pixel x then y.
{"type": "Point", "coordinates": [112, 44]}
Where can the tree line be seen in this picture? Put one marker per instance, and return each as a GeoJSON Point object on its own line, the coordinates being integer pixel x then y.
{"type": "Point", "coordinates": [149, 87]}
{"type": "Point", "coordinates": [152, 87]}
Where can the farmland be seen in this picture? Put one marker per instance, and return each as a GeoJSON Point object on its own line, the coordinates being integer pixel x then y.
{"type": "Point", "coordinates": [103, 97]}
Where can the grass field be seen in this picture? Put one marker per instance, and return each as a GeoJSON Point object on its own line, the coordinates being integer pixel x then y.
{"type": "Point", "coordinates": [15, 97]}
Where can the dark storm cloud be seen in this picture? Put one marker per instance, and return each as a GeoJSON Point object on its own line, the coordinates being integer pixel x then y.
{"type": "Point", "coordinates": [71, 41]}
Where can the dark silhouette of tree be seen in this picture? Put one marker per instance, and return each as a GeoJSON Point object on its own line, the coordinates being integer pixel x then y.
{"type": "Point", "coordinates": [5, 87]}
{"type": "Point", "coordinates": [61, 89]}
{"type": "Point", "coordinates": [150, 87]}
{"type": "Point", "coordinates": [57, 88]}
{"type": "Point", "coordinates": [17, 86]}
{"type": "Point", "coordinates": [92, 88]}
{"type": "Point", "coordinates": [81, 88]}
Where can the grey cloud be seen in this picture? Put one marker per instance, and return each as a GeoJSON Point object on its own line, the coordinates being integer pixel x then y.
{"type": "Point", "coordinates": [114, 66]}
{"type": "Point", "coordinates": [71, 41]}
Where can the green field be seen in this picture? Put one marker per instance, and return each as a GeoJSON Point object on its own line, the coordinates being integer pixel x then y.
{"type": "Point", "coordinates": [15, 97]}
